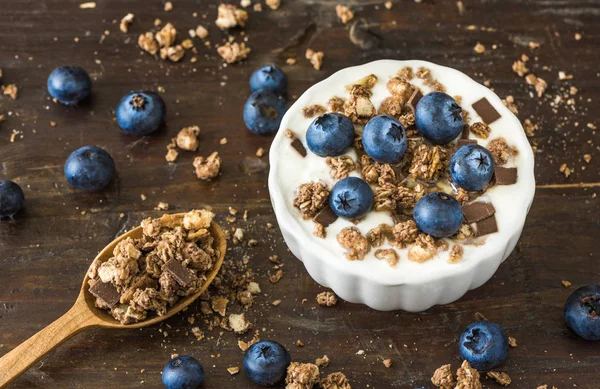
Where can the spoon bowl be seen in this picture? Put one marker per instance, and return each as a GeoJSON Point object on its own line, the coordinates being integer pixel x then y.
{"type": "Point", "coordinates": [84, 313]}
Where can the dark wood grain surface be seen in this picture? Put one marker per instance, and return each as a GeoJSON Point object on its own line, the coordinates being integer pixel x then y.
{"type": "Point", "coordinates": [46, 251]}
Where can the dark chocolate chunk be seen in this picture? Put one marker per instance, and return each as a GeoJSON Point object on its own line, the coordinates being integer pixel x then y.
{"type": "Point", "coordinates": [414, 99]}
{"type": "Point", "coordinates": [325, 217]}
{"type": "Point", "coordinates": [180, 273]}
{"type": "Point", "coordinates": [486, 226]}
{"type": "Point", "coordinates": [506, 175]}
{"type": "Point", "coordinates": [486, 111]}
{"type": "Point", "coordinates": [477, 211]}
{"type": "Point", "coordinates": [465, 131]}
{"type": "Point", "coordinates": [462, 142]}
{"type": "Point", "coordinates": [106, 292]}
{"type": "Point", "coordinates": [296, 144]}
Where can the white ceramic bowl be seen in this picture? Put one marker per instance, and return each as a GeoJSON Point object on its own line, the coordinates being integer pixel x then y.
{"type": "Point", "coordinates": [410, 286]}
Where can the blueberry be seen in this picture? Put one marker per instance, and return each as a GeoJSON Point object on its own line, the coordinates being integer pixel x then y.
{"type": "Point", "coordinates": [141, 113]}
{"type": "Point", "coordinates": [183, 372]}
{"type": "Point", "coordinates": [11, 198]}
{"type": "Point", "coordinates": [582, 312]}
{"type": "Point", "coordinates": [330, 134]}
{"type": "Point", "coordinates": [438, 118]}
{"type": "Point", "coordinates": [266, 362]}
{"type": "Point", "coordinates": [484, 345]}
{"type": "Point", "coordinates": [89, 168]}
{"type": "Point", "coordinates": [472, 167]}
{"type": "Point", "coordinates": [69, 84]}
{"type": "Point", "coordinates": [263, 112]}
{"type": "Point", "coordinates": [384, 139]}
{"type": "Point", "coordinates": [269, 77]}
{"type": "Point", "coordinates": [351, 198]}
{"type": "Point", "coordinates": [438, 214]}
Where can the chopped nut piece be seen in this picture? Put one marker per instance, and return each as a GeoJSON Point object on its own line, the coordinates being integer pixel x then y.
{"type": "Point", "coordinates": [299, 343]}
{"type": "Point", "coordinates": [311, 198]}
{"type": "Point", "coordinates": [173, 53]}
{"type": "Point", "coordinates": [340, 166]}
{"type": "Point", "coordinates": [207, 168]}
{"type": "Point", "coordinates": [390, 255]}
{"type": "Point", "coordinates": [187, 138]}
{"type": "Point", "coordinates": [565, 170]}
{"type": "Point", "coordinates": [352, 240]}
{"type": "Point", "coordinates": [540, 86]}
{"type": "Point", "coordinates": [233, 370]}
{"type": "Point", "coordinates": [443, 377]}
{"type": "Point", "coordinates": [512, 342]}
{"type": "Point", "coordinates": [480, 130]}
{"type": "Point", "coordinates": [201, 32]}
{"type": "Point", "coordinates": [273, 4]}
{"type": "Point", "coordinates": [335, 381]}
{"type": "Point", "coordinates": [479, 48]}
{"type": "Point", "coordinates": [501, 378]}
{"type": "Point", "coordinates": [313, 110]}
{"type": "Point", "coordinates": [302, 376]}
{"type": "Point", "coordinates": [260, 152]}
{"type": "Point", "coordinates": [467, 377]}
{"type": "Point", "coordinates": [327, 299]}
{"type": "Point", "coordinates": [10, 90]}
{"type": "Point", "coordinates": [423, 250]}
{"type": "Point", "coordinates": [148, 43]}
{"type": "Point", "coordinates": [239, 324]}
{"type": "Point", "coordinates": [166, 36]}
{"type": "Point", "coordinates": [233, 52]}
{"type": "Point", "coordinates": [219, 305]}
{"type": "Point", "coordinates": [162, 206]}
{"type": "Point", "coordinates": [125, 22]}
{"type": "Point", "coordinates": [315, 58]}
{"type": "Point", "coordinates": [344, 13]}
{"type": "Point", "coordinates": [377, 236]}
{"type": "Point", "coordinates": [172, 155]}
{"type": "Point", "coordinates": [520, 68]}
{"type": "Point", "coordinates": [276, 277]}
{"type": "Point", "coordinates": [230, 16]}
{"type": "Point", "coordinates": [322, 362]}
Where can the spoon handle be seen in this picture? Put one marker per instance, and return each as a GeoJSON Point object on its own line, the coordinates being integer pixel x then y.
{"type": "Point", "coordinates": [17, 361]}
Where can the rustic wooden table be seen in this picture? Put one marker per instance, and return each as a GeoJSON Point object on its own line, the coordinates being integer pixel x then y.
{"type": "Point", "coordinates": [46, 251]}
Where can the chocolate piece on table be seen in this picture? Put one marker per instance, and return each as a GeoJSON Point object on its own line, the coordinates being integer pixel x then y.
{"type": "Point", "coordinates": [325, 217]}
{"type": "Point", "coordinates": [414, 99]}
{"type": "Point", "coordinates": [486, 226]}
{"type": "Point", "coordinates": [462, 142]}
{"type": "Point", "coordinates": [297, 144]}
{"type": "Point", "coordinates": [506, 175]}
{"type": "Point", "coordinates": [465, 131]}
{"type": "Point", "coordinates": [486, 111]}
{"type": "Point", "coordinates": [179, 273]}
{"type": "Point", "coordinates": [106, 292]}
{"type": "Point", "coordinates": [477, 211]}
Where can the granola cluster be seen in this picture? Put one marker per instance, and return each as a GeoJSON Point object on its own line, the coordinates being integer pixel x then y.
{"type": "Point", "coordinates": [466, 377]}
{"type": "Point", "coordinates": [162, 42]}
{"type": "Point", "coordinates": [311, 198]}
{"type": "Point", "coordinates": [308, 376]}
{"type": "Point", "coordinates": [152, 273]}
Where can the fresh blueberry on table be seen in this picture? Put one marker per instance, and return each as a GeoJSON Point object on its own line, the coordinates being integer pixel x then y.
{"type": "Point", "coordinates": [183, 372]}
{"type": "Point", "coordinates": [472, 167]}
{"type": "Point", "coordinates": [263, 112]}
{"type": "Point", "coordinates": [384, 139]}
{"type": "Point", "coordinates": [141, 113]}
{"type": "Point", "coordinates": [351, 198]}
{"type": "Point", "coordinates": [11, 198]}
{"type": "Point", "coordinates": [69, 84]}
{"type": "Point", "coordinates": [484, 345]}
{"type": "Point", "coordinates": [266, 362]}
{"type": "Point", "coordinates": [438, 214]}
{"type": "Point", "coordinates": [330, 135]}
{"type": "Point", "coordinates": [89, 168]}
{"type": "Point", "coordinates": [582, 312]}
{"type": "Point", "coordinates": [438, 118]}
{"type": "Point", "coordinates": [269, 77]}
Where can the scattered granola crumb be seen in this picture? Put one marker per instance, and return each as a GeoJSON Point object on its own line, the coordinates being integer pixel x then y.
{"type": "Point", "coordinates": [467, 377]}
{"type": "Point", "coordinates": [566, 283]}
{"type": "Point", "coordinates": [322, 362]}
{"type": "Point", "coordinates": [201, 32]}
{"type": "Point", "coordinates": [273, 4]}
{"type": "Point", "coordinates": [125, 22]}
{"type": "Point", "coordinates": [162, 206]}
{"type": "Point", "coordinates": [456, 254]}
{"type": "Point", "coordinates": [239, 324]}
{"type": "Point", "coordinates": [390, 256]}
{"type": "Point", "coordinates": [540, 86]}
{"type": "Point", "coordinates": [233, 52]}
{"type": "Point", "coordinates": [443, 377]}
{"type": "Point", "coordinates": [335, 381]}
{"type": "Point", "coordinates": [520, 68]}
{"type": "Point", "coordinates": [187, 138]}
{"type": "Point", "coordinates": [530, 128]}
{"type": "Point", "coordinates": [260, 152]}
{"type": "Point", "coordinates": [565, 170]}
{"type": "Point", "coordinates": [10, 90]}
{"type": "Point", "coordinates": [230, 16]}
{"type": "Point", "coordinates": [88, 5]}
{"type": "Point", "coordinates": [388, 5]}
{"type": "Point", "coordinates": [290, 61]}
{"type": "Point", "coordinates": [387, 363]}
{"type": "Point", "coordinates": [352, 240]}
{"type": "Point", "coordinates": [327, 299]}
{"type": "Point", "coordinates": [223, 141]}
{"type": "Point", "coordinates": [479, 48]}
{"type": "Point", "coordinates": [320, 231]}
{"type": "Point", "coordinates": [313, 110]}
{"type": "Point", "coordinates": [257, 7]}
{"type": "Point", "coordinates": [245, 3]}
{"type": "Point", "coordinates": [172, 154]}
{"type": "Point", "coordinates": [501, 378]}
{"type": "Point", "coordinates": [276, 277]}
{"type": "Point", "coordinates": [233, 370]}
{"type": "Point", "coordinates": [587, 158]}
{"type": "Point", "coordinates": [148, 43]}
{"type": "Point", "coordinates": [512, 342]}
{"type": "Point", "coordinates": [299, 343]}
{"type": "Point", "coordinates": [207, 168]}
{"type": "Point", "coordinates": [344, 13]}
{"type": "Point", "coordinates": [302, 376]}
{"type": "Point", "coordinates": [315, 58]}
{"type": "Point", "coordinates": [276, 303]}
{"type": "Point", "coordinates": [168, 6]}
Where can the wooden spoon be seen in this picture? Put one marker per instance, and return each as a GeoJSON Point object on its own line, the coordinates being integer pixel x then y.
{"type": "Point", "coordinates": [84, 314]}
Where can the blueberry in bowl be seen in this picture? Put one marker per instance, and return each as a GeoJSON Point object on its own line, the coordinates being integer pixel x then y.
{"type": "Point", "coordinates": [330, 135]}
{"type": "Point", "coordinates": [89, 168]}
{"type": "Point", "coordinates": [141, 113]}
{"type": "Point", "coordinates": [183, 372]}
{"type": "Point", "coordinates": [438, 118]}
{"type": "Point", "coordinates": [269, 77]}
{"type": "Point", "coordinates": [351, 198]}
{"type": "Point", "coordinates": [472, 167]}
{"type": "Point", "coordinates": [69, 84]}
{"type": "Point", "coordinates": [582, 312]}
{"type": "Point", "coordinates": [263, 112]}
{"type": "Point", "coordinates": [266, 362]}
{"type": "Point", "coordinates": [438, 214]}
{"type": "Point", "coordinates": [12, 198]}
{"type": "Point", "coordinates": [384, 139]}
{"type": "Point", "coordinates": [484, 345]}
